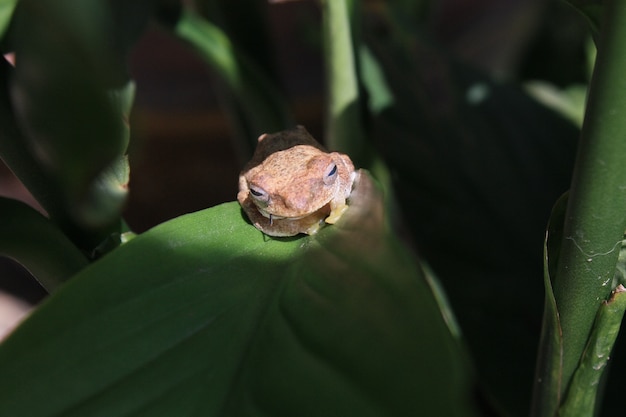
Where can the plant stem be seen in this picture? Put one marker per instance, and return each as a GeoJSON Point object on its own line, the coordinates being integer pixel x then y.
{"type": "Point", "coordinates": [344, 129]}
{"type": "Point", "coordinates": [596, 215]}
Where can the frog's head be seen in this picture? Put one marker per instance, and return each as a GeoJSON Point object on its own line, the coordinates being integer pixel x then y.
{"type": "Point", "coordinates": [293, 183]}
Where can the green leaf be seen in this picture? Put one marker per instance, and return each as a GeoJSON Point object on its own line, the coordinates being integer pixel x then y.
{"type": "Point", "coordinates": [592, 10]}
{"type": "Point", "coordinates": [17, 154]}
{"type": "Point", "coordinates": [107, 192]}
{"type": "Point", "coordinates": [254, 99]}
{"type": "Point", "coordinates": [6, 11]}
{"type": "Point", "coordinates": [246, 24]}
{"type": "Point", "coordinates": [36, 243]}
{"type": "Point", "coordinates": [60, 100]}
{"type": "Point", "coordinates": [380, 96]}
{"type": "Point", "coordinates": [547, 387]}
{"type": "Point", "coordinates": [204, 315]}
{"type": "Point", "coordinates": [105, 198]}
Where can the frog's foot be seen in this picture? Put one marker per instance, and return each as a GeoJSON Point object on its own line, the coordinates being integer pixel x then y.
{"type": "Point", "coordinates": [336, 213]}
{"type": "Point", "coordinates": [314, 228]}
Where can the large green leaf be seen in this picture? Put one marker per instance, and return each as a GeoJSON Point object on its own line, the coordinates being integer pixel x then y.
{"type": "Point", "coordinates": [204, 315]}
{"type": "Point", "coordinates": [71, 128]}
{"type": "Point", "coordinates": [36, 243]}
{"type": "Point", "coordinates": [63, 107]}
{"type": "Point", "coordinates": [17, 154]}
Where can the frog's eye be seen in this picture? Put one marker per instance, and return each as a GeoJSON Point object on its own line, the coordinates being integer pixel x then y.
{"type": "Point", "coordinates": [331, 174]}
{"type": "Point", "coordinates": [259, 194]}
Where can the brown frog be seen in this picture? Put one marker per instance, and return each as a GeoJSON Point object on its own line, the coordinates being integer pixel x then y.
{"type": "Point", "coordinates": [293, 185]}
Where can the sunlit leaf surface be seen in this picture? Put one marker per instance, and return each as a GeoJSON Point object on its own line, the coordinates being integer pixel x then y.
{"type": "Point", "coordinates": [204, 315]}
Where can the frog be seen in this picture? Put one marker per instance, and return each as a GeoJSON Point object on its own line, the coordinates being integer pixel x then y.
{"type": "Point", "coordinates": [293, 185]}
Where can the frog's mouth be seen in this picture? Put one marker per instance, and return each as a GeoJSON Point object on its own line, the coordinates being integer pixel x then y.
{"type": "Point", "coordinates": [272, 217]}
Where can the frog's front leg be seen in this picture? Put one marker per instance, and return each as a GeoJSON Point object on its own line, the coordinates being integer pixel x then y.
{"type": "Point", "coordinates": [337, 208]}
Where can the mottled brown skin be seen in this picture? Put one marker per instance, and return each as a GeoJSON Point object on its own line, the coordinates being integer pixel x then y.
{"type": "Point", "coordinates": [293, 185]}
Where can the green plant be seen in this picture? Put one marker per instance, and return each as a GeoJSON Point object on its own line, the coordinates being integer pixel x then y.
{"type": "Point", "coordinates": [203, 315]}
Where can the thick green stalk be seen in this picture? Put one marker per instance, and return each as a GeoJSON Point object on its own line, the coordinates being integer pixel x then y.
{"type": "Point", "coordinates": [582, 396]}
{"type": "Point", "coordinates": [344, 130]}
{"type": "Point", "coordinates": [596, 215]}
